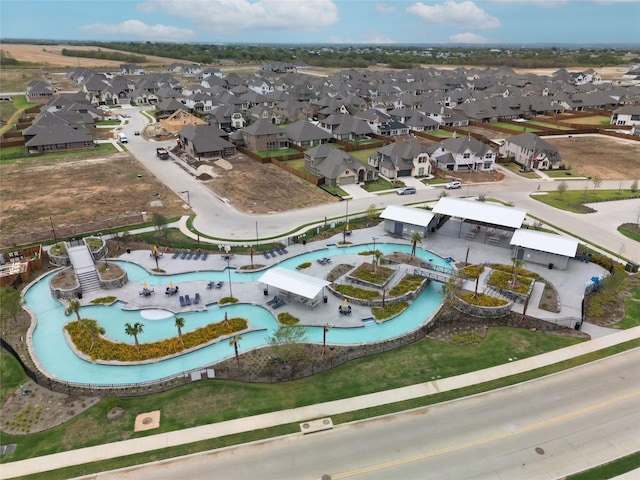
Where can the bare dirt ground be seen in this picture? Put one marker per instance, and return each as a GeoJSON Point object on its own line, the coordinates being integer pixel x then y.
{"type": "Point", "coordinates": [600, 156]}
{"type": "Point", "coordinates": [253, 187]}
{"type": "Point", "coordinates": [79, 190]}
{"type": "Point", "coordinates": [52, 55]}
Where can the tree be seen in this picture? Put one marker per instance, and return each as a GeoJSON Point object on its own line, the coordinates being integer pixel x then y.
{"type": "Point", "coordinates": [286, 343]}
{"type": "Point", "coordinates": [597, 181]}
{"type": "Point", "coordinates": [234, 341]}
{"type": "Point", "coordinates": [376, 259]}
{"type": "Point", "coordinates": [634, 187]}
{"type": "Point", "coordinates": [415, 239]}
{"type": "Point", "coordinates": [372, 212]}
{"type": "Point", "coordinates": [134, 330]}
{"type": "Point", "coordinates": [94, 330]}
{"type": "Point", "coordinates": [160, 224]}
{"type": "Point", "coordinates": [562, 187]}
{"type": "Point", "coordinates": [517, 264]}
{"type": "Point", "coordinates": [74, 307]}
{"type": "Point", "coordinates": [180, 325]}
{"type": "Point", "coordinates": [10, 303]}
{"type": "Point", "coordinates": [251, 253]}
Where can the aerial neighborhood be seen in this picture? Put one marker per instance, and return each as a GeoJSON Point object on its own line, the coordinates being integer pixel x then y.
{"type": "Point", "coordinates": [280, 107]}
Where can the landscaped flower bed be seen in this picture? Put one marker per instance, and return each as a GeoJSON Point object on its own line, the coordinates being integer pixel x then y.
{"type": "Point", "coordinates": [285, 318]}
{"type": "Point", "coordinates": [356, 292]}
{"type": "Point", "coordinates": [409, 283]}
{"type": "Point", "coordinates": [472, 271]}
{"type": "Point", "coordinates": [389, 310]}
{"type": "Point", "coordinates": [378, 275]}
{"type": "Point", "coordinates": [482, 300]}
{"type": "Point", "coordinates": [105, 350]}
{"type": "Point", "coordinates": [504, 281]}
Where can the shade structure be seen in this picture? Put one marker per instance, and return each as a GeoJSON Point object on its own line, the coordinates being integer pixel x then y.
{"type": "Point", "coordinates": [295, 282]}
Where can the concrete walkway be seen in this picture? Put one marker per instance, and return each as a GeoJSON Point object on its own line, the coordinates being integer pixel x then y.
{"type": "Point", "coordinates": [296, 415]}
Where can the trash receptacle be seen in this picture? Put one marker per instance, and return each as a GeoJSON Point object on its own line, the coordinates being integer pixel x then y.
{"type": "Point", "coordinates": [128, 250]}
{"type": "Point", "coordinates": [324, 299]}
{"type": "Point", "coordinates": [551, 266]}
{"type": "Point", "coordinates": [304, 242]}
{"type": "Point", "coordinates": [266, 292]}
{"type": "Point", "coordinates": [631, 267]}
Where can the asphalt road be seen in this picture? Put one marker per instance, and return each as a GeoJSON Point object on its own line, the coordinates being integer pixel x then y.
{"type": "Point", "coordinates": [544, 429]}
{"type": "Point", "coordinates": [216, 218]}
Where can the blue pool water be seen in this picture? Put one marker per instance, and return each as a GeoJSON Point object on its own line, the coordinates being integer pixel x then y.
{"type": "Point", "coordinates": [56, 357]}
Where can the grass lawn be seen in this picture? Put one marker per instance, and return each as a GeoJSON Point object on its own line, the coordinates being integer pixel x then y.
{"type": "Point", "coordinates": [609, 470]}
{"type": "Point", "coordinates": [573, 200]}
{"type": "Point", "coordinates": [595, 120]}
{"type": "Point", "coordinates": [10, 111]}
{"type": "Point", "coordinates": [516, 128]}
{"type": "Point", "coordinates": [440, 133]}
{"type": "Point", "coordinates": [363, 155]}
{"type": "Point", "coordinates": [565, 174]}
{"type": "Point", "coordinates": [548, 125]}
{"type": "Point", "coordinates": [630, 230]}
{"type": "Point", "coordinates": [19, 154]}
{"type": "Point", "coordinates": [12, 374]}
{"type": "Point", "coordinates": [632, 310]}
{"type": "Point", "coordinates": [378, 185]}
{"type": "Point", "coordinates": [277, 153]}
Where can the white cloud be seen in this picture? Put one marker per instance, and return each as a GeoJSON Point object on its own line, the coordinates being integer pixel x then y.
{"type": "Point", "coordinates": [138, 30]}
{"type": "Point", "coordinates": [468, 37]}
{"type": "Point", "coordinates": [464, 14]}
{"type": "Point", "coordinates": [385, 8]}
{"type": "Point", "coordinates": [236, 16]}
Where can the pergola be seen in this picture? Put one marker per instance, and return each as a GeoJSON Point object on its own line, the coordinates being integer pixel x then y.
{"type": "Point", "coordinates": [305, 287]}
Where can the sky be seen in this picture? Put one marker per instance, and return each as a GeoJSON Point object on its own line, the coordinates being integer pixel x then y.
{"type": "Point", "coordinates": [481, 22]}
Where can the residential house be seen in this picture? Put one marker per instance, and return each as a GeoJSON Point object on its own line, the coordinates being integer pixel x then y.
{"type": "Point", "coordinates": [627, 115]}
{"type": "Point", "coordinates": [305, 134]}
{"type": "Point", "coordinates": [337, 167]}
{"type": "Point", "coordinates": [463, 154]}
{"type": "Point", "coordinates": [531, 151]}
{"type": "Point", "coordinates": [264, 135]}
{"type": "Point", "coordinates": [38, 89]}
{"type": "Point", "coordinates": [203, 142]}
{"type": "Point", "coordinates": [60, 137]}
{"type": "Point", "coordinates": [131, 69]}
{"type": "Point", "coordinates": [402, 159]}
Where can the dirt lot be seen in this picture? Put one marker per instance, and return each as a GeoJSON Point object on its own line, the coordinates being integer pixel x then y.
{"type": "Point", "coordinates": [252, 187]}
{"type": "Point", "coordinates": [74, 191]}
{"type": "Point", "coordinates": [597, 155]}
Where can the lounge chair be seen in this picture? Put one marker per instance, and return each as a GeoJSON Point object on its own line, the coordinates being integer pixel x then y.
{"type": "Point", "coordinates": [273, 301]}
{"type": "Point", "coordinates": [321, 261]}
{"type": "Point", "coordinates": [196, 299]}
{"type": "Point", "coordinates": [279, 304]}
{"type": "Point", "coordinates": [272, 253]}
{"type": "Point", "coordinates": [327, 260]}
{"type": "Point", "coordinates": [266, 255]}
{"type": "Point", "coordinates": [284, 250]}
{"type": "Point", "coordinates": [219, 284]}
{"type": "Point", "coordinates": [184, 255]}
{"type": "Point", "coordinates": [197, 256]}
{"type": "Point", "coordinates": [190, 254]}
{"type": "Point", "coordinates": [175, 254]}
{"type": "Point", "coordinates": [205, 255]}
{"type": "Point", "coordinates": [187, 300]}
{"type": "Point", "coordinates": [280, 252]}
{"type": "Point", "coordinates": [182, 302]}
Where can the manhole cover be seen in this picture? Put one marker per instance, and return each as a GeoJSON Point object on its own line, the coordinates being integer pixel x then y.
{"type": "Point", "coordinates": [305, 425]}
{"type": "Point", "coordinates": [326, 477]}
{"type": "Point", "coordinates": [539, 451]}
{"type": "Point", "coordinates": [147, 420]}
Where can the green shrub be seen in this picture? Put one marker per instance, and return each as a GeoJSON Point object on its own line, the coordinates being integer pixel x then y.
{"type": "Point", "coordinates": [409, 283]}
{"type": "Point", "coordinates": [472, 271]}
{"type": "Point", "coordinates": [226, 300]}
{"type": "Point", "coordinates": [304, 265]}
{"type": "Point", "coordinates": [357, 292]}
{"type": "Point", "coordinates": [104, 300]}
{"type": "Point", "coordinates": [389, 311]}
{"type": "Point", "coordinates": [482, 300]}
{"type": "Point", "coordinates": [285, 318]}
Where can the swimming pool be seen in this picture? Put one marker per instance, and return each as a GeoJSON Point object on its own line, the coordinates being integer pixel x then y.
{"type": "Point", "coordinates": [58, 360]}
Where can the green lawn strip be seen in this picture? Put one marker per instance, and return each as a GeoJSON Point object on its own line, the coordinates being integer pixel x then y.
{"type": "Point", "coordinates": [609, 470]}
{"type": "Point", "coordinates": [12, 374]}
{"type": "Point", "coordinates": [574, 200]}
{"type": "Point", "coordinates": [363, 155]}
{"type": "Point", "coordinates": [550, 126]}
{"type": "Point", "coordinates": [18, 105]}
{"type": "Point", "coordinates": [190, 404]}
{"type": "Point", "coordinates": [628, 233]}
{"type": "Point", "coordinates": [13, 156]}
{"type": "Point", "coordinates": [516, 128]}
{"type": "Point", "coordinates": [564, 174]}
{"type": "Point", "coordinates": [337, 419]}
{"type": "Point", "coordinates": [632, 311]}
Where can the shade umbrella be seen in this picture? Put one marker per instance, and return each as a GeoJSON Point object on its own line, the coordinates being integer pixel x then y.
{"type": "Point", "coordinates": [170, 284]}
{"type": "Point", "coordinates": [145, 287]}
{"type": "Point", "coordinates": [345, 302]}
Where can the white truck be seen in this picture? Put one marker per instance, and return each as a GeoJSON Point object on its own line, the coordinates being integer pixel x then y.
{"type": "Point", "coordinates": [122, 138]}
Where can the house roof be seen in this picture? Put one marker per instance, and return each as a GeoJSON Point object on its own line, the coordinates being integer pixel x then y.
{"type": "Point", "coordinates": [60, 134]}
{"type": "Point", "coordinates": [545, 242]}
{"type": "Point", "coordinates": [303, 130]}
{"type": "Point", "coordinates": [262, 127]}
{"type": "Point", "coordinates": [295, 282]}
{"type": "Point", "coordinates": [409, 215]}
{"type": "Point", "coordinates": [484, 212]}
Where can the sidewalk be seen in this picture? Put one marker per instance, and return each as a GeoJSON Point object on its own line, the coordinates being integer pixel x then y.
{"type": "Point", "coordinates": [240, 425]}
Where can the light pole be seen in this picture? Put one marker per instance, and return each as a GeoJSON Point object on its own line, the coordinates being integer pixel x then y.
{"type": "Point", "coordinates": [229, 270]}
{"type": "Point", "coordinates": [55, 239]}
{"type": "Point", "coordinates": [346, 224]}
{"type": "Point", "coordinates": [188, 197]}
{"type": "Point", "coordinates": [470, 173]}
{"type": "Point", "coordinates": [373, 259]}
{"type": "Point", "coordinates": [325, 329]}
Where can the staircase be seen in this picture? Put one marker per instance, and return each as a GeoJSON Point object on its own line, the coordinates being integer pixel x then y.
{"type": "Point", "coordinates": [84, 267]}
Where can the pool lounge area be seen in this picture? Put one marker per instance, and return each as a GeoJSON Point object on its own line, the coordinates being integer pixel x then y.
{"type": "Point", "coordinates": [58, 360]}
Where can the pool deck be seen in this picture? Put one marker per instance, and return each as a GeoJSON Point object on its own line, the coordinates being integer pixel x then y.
{"type": "Point", "coordinates": [570, 283]}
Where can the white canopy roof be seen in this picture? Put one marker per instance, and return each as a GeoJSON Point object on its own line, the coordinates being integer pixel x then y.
{"type": "Point", "coordinates": [294, 282]}
{"type": "Point", "coordinates": [410, 215]}
{"type": "Point", "coordinates": [485, 212]}
{"type": "Point", "coordinates": [545, 242]}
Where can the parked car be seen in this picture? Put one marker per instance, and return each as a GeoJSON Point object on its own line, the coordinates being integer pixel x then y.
{"type": "Point", "coordinates": [406, 190]}
{"type": "Point", "coordinates": [453, 185]}
{"type": "Point", "coordinates": [136, 132]}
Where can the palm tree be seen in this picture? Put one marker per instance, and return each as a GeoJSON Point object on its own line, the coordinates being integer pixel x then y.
{"type": "Point", "coordinates": [180, 324]}
{"type": "Point", "coordinates": [377, 254]}
{"type": "Point", "coordinates": [517, 264]}
{"type": "Point", "coordinates": [74, 307]}
{"type": "Point", "coordinates": [134, 330]}
{"type": "Point", "coordinates": [251, 253]}
{"type": "Point", "coordinates": [234, 341]}
{"type": "Point", "coordinates": [415, 239]}
{"type": "Point", "coordinates": [94, 330]}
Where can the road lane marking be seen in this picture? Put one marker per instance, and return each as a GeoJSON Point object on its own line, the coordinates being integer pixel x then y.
{"type": "Point", "coordinates": [481, 441]}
